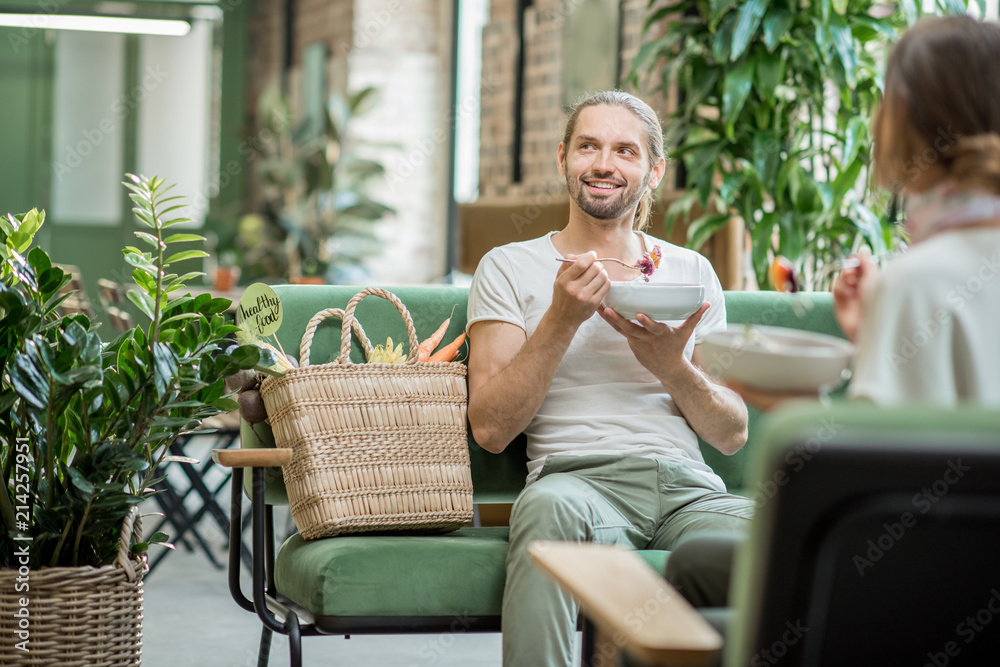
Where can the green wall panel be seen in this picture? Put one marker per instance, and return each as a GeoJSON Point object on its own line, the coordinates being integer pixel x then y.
{"type": "Point", "coordinates": [25, 121]}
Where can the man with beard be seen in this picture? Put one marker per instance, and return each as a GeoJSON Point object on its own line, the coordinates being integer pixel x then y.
{"type": "Point", "coordinates": [612, 408]}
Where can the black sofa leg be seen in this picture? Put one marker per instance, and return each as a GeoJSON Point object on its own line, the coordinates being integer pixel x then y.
{"type": "Point", "coordinates": [294, 639]}
{"type": "Point", "coordinates": [265, 647]}
{"type": "Point", "coordinates": [587, 652]}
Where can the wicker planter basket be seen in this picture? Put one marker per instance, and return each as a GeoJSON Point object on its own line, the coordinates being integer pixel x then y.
{"type": "Point", "coordinates": [78, 616]}
{"type": "Point", "coordinates": [376, 447]}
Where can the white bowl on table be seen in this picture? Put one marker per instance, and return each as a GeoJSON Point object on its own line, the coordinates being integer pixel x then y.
{"type": "Point", "coordinates": [776, 358]}
{"type": "Point", "coordinates": [659, 301]}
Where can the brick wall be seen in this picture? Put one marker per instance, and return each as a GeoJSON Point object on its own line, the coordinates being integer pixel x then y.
{"type": "Point", "coordinates": [323, 21]}
{"type": "Point", "coordinates": [402, 48]}
{"type": "Point", "coordinates": [543, 116]}
{"type": "Point", "coordinates": [267, 18]}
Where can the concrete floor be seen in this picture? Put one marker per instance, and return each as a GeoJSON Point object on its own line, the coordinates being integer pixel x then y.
{"type": "Point", "coordinates": [191, 620]}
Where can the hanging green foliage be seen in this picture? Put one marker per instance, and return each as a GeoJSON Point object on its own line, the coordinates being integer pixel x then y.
{"type": "Point", "coordinates": [773, 119]}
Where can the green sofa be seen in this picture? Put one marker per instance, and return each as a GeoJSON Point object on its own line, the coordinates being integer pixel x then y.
{"type": "Point", "coordinates": [440, 583]}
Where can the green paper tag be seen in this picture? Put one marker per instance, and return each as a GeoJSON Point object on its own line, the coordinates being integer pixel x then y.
{"type": "Point", "coordinates": [259, 310]}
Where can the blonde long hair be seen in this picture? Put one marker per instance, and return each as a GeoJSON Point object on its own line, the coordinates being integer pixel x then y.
{"type": "Point", "coordinates": [652, 129]}
{"type": "Point", "coordinates": [945, 74]}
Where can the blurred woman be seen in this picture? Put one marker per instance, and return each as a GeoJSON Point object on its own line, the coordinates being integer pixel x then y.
{"type": "Point", "coordinates": [927, 326]}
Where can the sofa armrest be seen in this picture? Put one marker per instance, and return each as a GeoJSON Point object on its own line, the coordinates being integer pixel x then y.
{"type": "Point", "coordinates": [251, 458]}
{"type": "Point", "coordinates": [629, 602]}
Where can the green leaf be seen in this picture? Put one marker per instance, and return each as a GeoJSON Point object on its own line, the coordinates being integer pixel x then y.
{"type": "Point", "coordinates": [791, 240]}
{"type": "Point", "coordinates": [180, 317]}
{"type": "Point", "coordinates": [247, 355]}
{"type": "Point", "coordinates": [805, 195]}
{"type": "Point", "coordinates": [225, 404]}
{"type": "Point", "coordinates": [50, 281]}
{"type": "Point", "coordinates": [144, 216]}
{"type": "Point", "coordinates": [39, 260]}
{"type": "Point", "coordinates": [880, 26]}
{"type": "Point", "coordinates": [31, 222]}
{"type": "Point", "coordinates": [870, 226]}
{"type": "Point", "coordinates": [159, 537]}
{"type": "Point", "coordinates": [953, 7]}
{"type": "Point", "coordinates": [185, 254]}
{"type": "Point", "coordinates": [148, 238]}
{"type": "Point", "coordinates": [144, 279]}
{"type": "Point", "coordinates": [736, 90]}
{"type": "Point", "coordinates": [180, 280]}
{"type": "Point", "coordinates": [769, 71]}
{"type": "Point", "coordinates": [165, 368]}
{"type": "Point", "coordinates": [142, 301]}
{"type": "Point", "coordinates": [664, 12]}
{"type": "Point", "coordinates": [722, 44]}
{"type": "Point", "coordinates": [730, 187]}
{"type": "Point", "coordinates": [139, 260]}
{"type": "Point", "coordinates": [911, 9]}
{"type": "Point", "coordinates": [183, 238]}
{"type": "Point", "coordinates": [843, 42]}
{"type": "Point", "coordinates": [173, 458]}
{"type": "Point", "coordinates": [777, 23]}
{"type": "Point", "coordinates": [855, 136]}
{"type": "Point", "coordinates": [80, 482]}
{"type": "Point", "coordinates": [702, 229]}
{"type": "Point", "coordinates": [218, 305]}
{"type": "Point", "coordinates": [717, 9]}
{"type": "Point", "coordinates": [747, 21]}
{"type": "Point", "coordinates": [761, 234]}
{"type": "Point", "coordinates": [846, 180]}
{"type": "Point", "coordinates": [649, 50]}
{"type": "Point", "coordinates": [174, 221]}
{"type": "Point", "coordinates": [703, 82]}
{"type": "Point", "coordinates": [702, 158]}
{"type": "Point", "coordinates": [766, 155]}
{"type": "Point", "coordinates": [28, 380]}
{"type": "Point", "coordinates": [705, 186]}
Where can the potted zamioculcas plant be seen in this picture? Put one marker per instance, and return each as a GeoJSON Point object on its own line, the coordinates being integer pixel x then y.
{"type": "Point", "coordinates": [85, 424]}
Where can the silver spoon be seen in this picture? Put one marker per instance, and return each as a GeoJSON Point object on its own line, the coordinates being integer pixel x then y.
{"type": "Point", "coordinates": [603, 259]}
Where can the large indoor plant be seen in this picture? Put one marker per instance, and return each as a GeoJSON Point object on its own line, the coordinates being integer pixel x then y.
{"type": "Point", "coordinates": [85, 423]}
{"type": "Point", "coordinates": [773, 118]}
{"type": "Point", "coordinates": [318, 212]}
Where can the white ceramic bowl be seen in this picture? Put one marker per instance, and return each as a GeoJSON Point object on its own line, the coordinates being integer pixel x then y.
{"type": "Point", "coordinates": [776, 358]}
{"type": "Point", "coordinates": [660, 301]}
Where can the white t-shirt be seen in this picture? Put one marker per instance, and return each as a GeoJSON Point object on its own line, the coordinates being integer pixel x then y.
{"type": "Point", "coordinates": [601, 400]}
{"type": "Point", "coordinates": [931, 331]}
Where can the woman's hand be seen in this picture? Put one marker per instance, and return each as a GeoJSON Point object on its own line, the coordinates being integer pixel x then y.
{"type": "Point", "coordinates": [764, 400]}
{"type": "Point", "coordinates": [849, 290]}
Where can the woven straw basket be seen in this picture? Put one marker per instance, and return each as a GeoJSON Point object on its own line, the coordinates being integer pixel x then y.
{"type": "Point", "coordinates": [376, 446]}
{"type": "Point", "coordinates": [78, 616]}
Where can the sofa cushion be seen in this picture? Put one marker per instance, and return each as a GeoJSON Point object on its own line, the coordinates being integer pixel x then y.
{"type": "Point", "coordinates": [461, 573]}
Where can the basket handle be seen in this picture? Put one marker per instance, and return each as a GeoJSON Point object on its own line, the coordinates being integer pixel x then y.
{"type": "Point", "coordinates": [314, 321]}
{"type": "Point", "coordinates": [345, 336]}
{"type": "Point", "coordinates": [132, 524]}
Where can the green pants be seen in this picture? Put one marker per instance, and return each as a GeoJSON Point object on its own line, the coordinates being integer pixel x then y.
{"type": "Point", "coordinates": [639, 502]}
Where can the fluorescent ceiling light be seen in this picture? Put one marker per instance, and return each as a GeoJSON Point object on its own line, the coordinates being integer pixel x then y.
{"type": "Point", "coordinates": [172, 28]}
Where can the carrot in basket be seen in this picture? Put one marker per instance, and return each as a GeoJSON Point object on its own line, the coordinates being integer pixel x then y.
{"type": "Point", "coordinates": [427, 347]}
{"type": "Point", "coordinates": [449, 351]}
